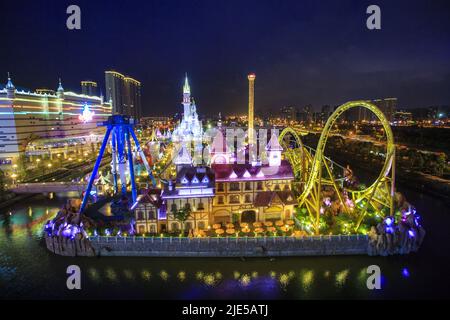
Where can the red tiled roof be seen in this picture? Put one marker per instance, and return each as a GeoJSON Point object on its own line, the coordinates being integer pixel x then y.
{"type": "Point", "coordinates": [223, 171]}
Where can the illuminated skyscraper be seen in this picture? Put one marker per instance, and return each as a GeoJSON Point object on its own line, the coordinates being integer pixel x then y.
{"type": "Point", "coordinates": [251, 106]}
{"type": "Point", "coordinates": [89, 88]}
{"type": "Point", "coordinates": [125, 94]}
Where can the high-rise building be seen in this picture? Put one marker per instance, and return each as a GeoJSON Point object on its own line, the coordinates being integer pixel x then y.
{"type": "Point", "coordinates": [251, 106]}
{"type": "Point", "coordinates": [305, 114]}
{"type": "Point", "coordinates": [325, 113]}
{"type": "Point", "coordinates": [125, 94]}
{"type": "Point", "coordinates": [89, 88]}
{"type": "Point", "coordinates": [289, 113]}
{"type": "Point", "coordinates": [388, 106]}
{"type": "Point", "coordinates": [35, 123]}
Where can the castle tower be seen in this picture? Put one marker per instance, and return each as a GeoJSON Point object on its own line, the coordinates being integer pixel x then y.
{"type": "Point", "coordinates": [10, 89]}
{"type": "Point", "coordinates": [186, 99]}
{"type": "Point", "coordinates": [60, 90]}
{"type": "Point", "coordinates": [251, 106]}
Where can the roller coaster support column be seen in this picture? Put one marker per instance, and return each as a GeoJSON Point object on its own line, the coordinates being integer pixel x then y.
{"type": "Point", "coordinates": [120, 135]}
{"type": "Point", "coordinates": [392, 191]}
{"type": "Point", "coordinates": [144, 159]}
{"type": "Point", "coordinates": [94, 172]}
{"type": "Point", "coordinates": [130, 164]}
{"type": "Point", "coordinates": [114, 159]}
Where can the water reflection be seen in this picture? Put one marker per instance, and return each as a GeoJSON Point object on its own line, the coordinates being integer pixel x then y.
{"type": "Point", "coordinates": [181, 276]}
{"type": "Point", "coordinates": [341, 277]}
{"type": "Point", "coordinates": [164, 275]}
{"type": "Point", "coordinates": [307, 278]}
{"type": "Point", "coordinates": [25, 266]}
{"type": "Point", "coordinates": [111, 275]}
{"type": "Point", "coordinates": [146, 275]}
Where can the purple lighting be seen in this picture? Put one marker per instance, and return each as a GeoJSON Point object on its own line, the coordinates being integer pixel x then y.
{"type": "Point", "coordinates": [388, 221]}
{"type": "Point", "coordinates": [405, 272]}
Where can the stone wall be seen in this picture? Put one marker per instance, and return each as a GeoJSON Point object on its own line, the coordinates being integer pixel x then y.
{"type": "Point", "coordinates": [230, 247]}
{"type": "Point", "coordinates": [66, 247]}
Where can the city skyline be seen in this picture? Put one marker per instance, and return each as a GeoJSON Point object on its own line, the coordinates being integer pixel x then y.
{"type": "Point", "coordinates": [311, 54]}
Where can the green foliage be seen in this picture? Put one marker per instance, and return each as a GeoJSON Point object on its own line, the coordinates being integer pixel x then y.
{"type": "Point", "coordinates": [182, 215]}
{"type": "Point", "coordinates": [2, 181]}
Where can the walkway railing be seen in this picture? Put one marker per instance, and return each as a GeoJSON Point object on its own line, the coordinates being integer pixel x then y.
{"type": "Point", "coordinates": [261, 239]}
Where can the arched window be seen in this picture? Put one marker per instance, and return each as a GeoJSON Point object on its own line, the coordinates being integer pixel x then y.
{"type": "Point", "coordinates": [140, 215]}
{"type": "Point", "coordinates": [173, 208]}
{"type": "Point", "coordinates": [151, 214]}
{"type": "Point", "coordinates": [234, 199]}
{"type": "Point", "coordinates": [174, 226]}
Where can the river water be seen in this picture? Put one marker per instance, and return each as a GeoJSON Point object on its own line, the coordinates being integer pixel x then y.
{"type": "Point", "coordinates": [29, 271]}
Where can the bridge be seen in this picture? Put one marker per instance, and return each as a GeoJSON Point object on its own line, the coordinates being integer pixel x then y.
{"type": "Point", "coordinates": [47, 187]}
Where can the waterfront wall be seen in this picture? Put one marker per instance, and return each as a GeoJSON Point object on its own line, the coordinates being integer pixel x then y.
{"type": "Point", "coordinates": [228, 247]}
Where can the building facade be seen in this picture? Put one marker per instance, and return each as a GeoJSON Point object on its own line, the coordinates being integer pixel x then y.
{"type": "Point", "coordinates": [224, 192]}
{"type": "Point", "coordinates": [27, 117]}
{"type": "Point", "coordinates": [254, 192]}
{"type": "Point", "coordinates": [125, 94]}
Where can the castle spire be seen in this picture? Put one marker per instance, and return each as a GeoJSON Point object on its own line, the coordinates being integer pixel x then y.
{"type": "Point", "coordinates": [186, 88]}
{"type": "Point", "coordinates": [9, 84]}
{"type": "Point", "coordinates": [60, 88]}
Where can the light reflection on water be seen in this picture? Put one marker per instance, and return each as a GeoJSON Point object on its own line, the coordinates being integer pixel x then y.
{"type": "Point", "coordinates": [28, 270]}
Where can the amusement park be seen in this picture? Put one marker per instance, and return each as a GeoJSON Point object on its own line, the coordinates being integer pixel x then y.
{"type": "Point", "coordinates": [228, 192]}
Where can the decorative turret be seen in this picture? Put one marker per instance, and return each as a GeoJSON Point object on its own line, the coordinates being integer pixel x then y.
{"type": "Point", "coordinates": [274, 149]}
{"type": "Point", "coordinates": [10, 89]}
{"type": "Point", "coordinates": [220, 153]}
{"type": "Point", "coordinates": [186, 99]}
{"type": "Point", "coordinates": [183, 158]}
{"type": "Point", "coordinates": [219, 122]}
{"type": "Point", "coordinates": [60, 90]}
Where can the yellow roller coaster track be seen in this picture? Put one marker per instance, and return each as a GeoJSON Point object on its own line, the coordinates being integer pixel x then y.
{"type": "Point", "coordinates": [314, 173]}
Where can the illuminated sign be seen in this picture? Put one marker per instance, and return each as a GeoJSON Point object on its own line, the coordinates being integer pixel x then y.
{"type": "Point", "coordinates": [87, 114]}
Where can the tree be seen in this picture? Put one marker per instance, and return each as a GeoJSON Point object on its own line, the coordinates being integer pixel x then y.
{"type": "Point", "coordinates": [182, 215]}
{"type": "Point", "coordinates": [2, 181]}
{"type": "Point", "coordinates": [441, 163]}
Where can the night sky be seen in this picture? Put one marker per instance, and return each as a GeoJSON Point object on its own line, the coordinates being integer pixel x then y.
{"type": "Point", "coordinates": [303, 52]}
